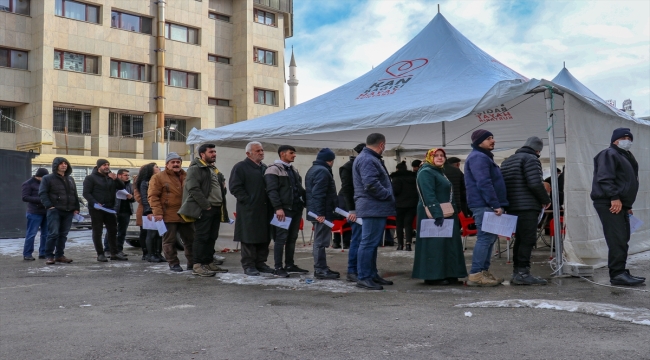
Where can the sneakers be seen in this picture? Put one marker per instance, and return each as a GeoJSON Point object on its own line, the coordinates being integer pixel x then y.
{"type": "Point", "coordinates": [352, 277]}
{"type": "Point", "coordinates": [100, 258]}
{"type": "Point", "coordinates": [107, 254]}
{"type": "Point", "coordinates": [481, 279]}
{"type": "Point", "coordinates": [28, 258]}
{"type": "Point", "coordinates": [49, 261]}
{"type": "Point", "coordinates": [326, 274]}
{"type": "Point", "coordinates": [63, 259]}
{"type": "Point", "coordinates": [522, 276]}
{"type": "Point", "coordinates": [175, 268]}
{"type": "Point", "coordinates": [119, 257]}
{"type": "Point", "coordinates": [281, 272]}
{"type": "Point", "coordinates": [251, 271]}
{"type": "Point", "coordinates": [202, 270]}
{"type": "Point", "coordinates": [266, 269]}
{"type": "Point", "coordinates": [214, 267]}
{"type": "Point", "coordinates": [295, 269]}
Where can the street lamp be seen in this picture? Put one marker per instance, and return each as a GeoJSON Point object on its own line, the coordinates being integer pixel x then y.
{"type": "Point", "coordinates": [170, 128]}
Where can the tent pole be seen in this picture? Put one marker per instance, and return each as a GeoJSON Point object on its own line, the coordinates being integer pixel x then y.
{"type": "Point", "coordinates": [397, 157]}
{"type": "Point", "coordinates": [444, 135]}
{"type": "Point", "coordinates": [554, 184]}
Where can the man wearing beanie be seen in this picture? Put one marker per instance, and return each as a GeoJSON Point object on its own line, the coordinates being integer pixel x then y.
{"type": "Point", "coordinates": [165, 196]}
{"type": "Point", "coordinates": [486, 191]}
{"type": "Point", "coordinates": [321, 200]}
{"type": "Point", "coordinates": [99, 189]}
{"type": "Point", "coordinates": [522, 173]}
{"type": "Point", "coordinates": [36, 215]}
{"type": "Point", "coordinates": [613, 191]}
{"type": "Point", "coordinates": [374, 201]}
{"type": "Point", "coordinates": [347, 192]}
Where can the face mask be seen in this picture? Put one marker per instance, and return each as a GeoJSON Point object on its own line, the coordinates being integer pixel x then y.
{"type": "Point", "coordinates": [625, 144]}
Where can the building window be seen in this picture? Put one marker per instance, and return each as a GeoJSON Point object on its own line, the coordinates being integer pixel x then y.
{"type": "Point", "coordinates": [217, 58]}
{"type": "Point", "coordinates": [181, 33]}
{"type": "Point", "coordinates": [181, 79]}
{"type": "Point", "coordinates": [77, 121]}
{"type": "Point", "coordinates": [126, 70]}
{"type": "Point", "coordinates": [221, 17]}
{"type": "Point", "coordinates": [130, 22]}
{"type": "Point", "coordinates": [15, 6]}
{"type": "Point", "coordinates": [6, 125]}
{"type": "Point", "coordinates": [13, 58]}
{"type": "Point", "coordinates": [125, 125]}
{"type": "Point", "coordinates": [218, 102]}
{"type": "Point", "coordinates": [263, 56]}
{"type": "Point", "coordinates": [266, 97]}
{"type": "Point", "coordinates": [179, 133]}
{"type": "Point", "coordinates": [75, 62]}
{"type": "Point", "coordinates": [76, 10]}
{"type": "Point", "coordinates": [264, 17]}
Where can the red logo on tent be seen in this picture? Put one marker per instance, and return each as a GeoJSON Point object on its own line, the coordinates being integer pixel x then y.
{"type": "Point", "coordinates": [404, 67]}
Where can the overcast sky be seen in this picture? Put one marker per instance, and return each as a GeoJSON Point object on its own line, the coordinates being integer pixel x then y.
{"type": "Point", "coordinates": [606, 44]}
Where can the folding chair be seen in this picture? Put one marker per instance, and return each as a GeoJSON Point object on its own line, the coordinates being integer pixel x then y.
{"type": "Point", "coordinates": [388, 227]}
{"type": "Point", "coordinates": [340, 228]}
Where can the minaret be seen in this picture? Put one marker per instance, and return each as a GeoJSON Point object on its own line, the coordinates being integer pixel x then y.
{"type": "Point", "coordinates": [292, 82]}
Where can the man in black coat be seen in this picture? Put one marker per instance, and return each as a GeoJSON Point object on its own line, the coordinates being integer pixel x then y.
{"type": "Point", "coordinates": [347, 190]}
{"type": "Point", "coordinates": [123, 211]}
{"type": "Point", "coordinates": [406, 202]}
{"type": "Point", "coordinates": [58, 193]}
{"type": "Point", "coordinates": [522, 173]}
{"type": "Point", "coordinates": [36, 215]}
{"type": "Point", "coordinates": [99, 189]}
{"type": "Point", "coordinates": [254, 211]}
{"type": "Point", "coordinates": [457, 179]}
{"type": "Point", "coordinates": [613, 191]}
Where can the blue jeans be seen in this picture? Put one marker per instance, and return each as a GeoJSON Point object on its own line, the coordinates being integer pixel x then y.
{"type": "Point", "coordinates": [484, 243]}
{"type": "Point", "coordinates": [34, 222]}
{"type": "Point", "coordinates": [355, 239]}
{"type": "Point", "coordinates": [372, 232]}
{"type": "Point", "coordinates": [58, 226]}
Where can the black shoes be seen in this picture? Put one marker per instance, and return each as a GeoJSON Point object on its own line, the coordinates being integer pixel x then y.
{"type": "Point", "coordinates": [175, 268]}
{"type": "Point", "coordinates": [100, 258]}
{"type": "Point", "coordinates": [522, 276]}
{"type": "Point", "coordinates": [634, 276]}
{"type": "Point", "coordinates": [28, 258]}
{"type": "Point", "coordinates": [154, 258]}
{"type": "Point", "coordinates": [326, 274]}
{"type": "Point", "coordinates": [369, 285]}
{"type": "Point", "coordinates": [408, 247]}
{"type": "Point", "coordinates": [381, 281]}
{"type": "Point", "coordinates": [294, 269]}
{"type": "Point", "coordinates": [352, 277]}
{"type": "Point", "coordinates": [336, 246]}
{"type": "Point", "coordinates": [251, 271]}
{"type": "Point", "coordinates": [119, 257]}
{"type": "Point", "coordinates": [625, 279]}
{"type": "Point", "coordinates": [281, 272]}
{"type": "Point", "coordinates": [41, 256]}
{"type": "Point", "coordinates": [400, 247]}
{"type": "Point", "coordinates": [266, 269]}
{"type": "Point", "coordinates": [334, 272]}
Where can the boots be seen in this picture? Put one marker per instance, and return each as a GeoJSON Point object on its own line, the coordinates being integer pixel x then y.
{"type": "Point", "coordinates": [408, 247]}
{"type": "Point", "coordinates": [400, 245]}
{"type": "Point", "coordinates": [152, 247]}
{"type": "Point", "coordinates": [522, 276]}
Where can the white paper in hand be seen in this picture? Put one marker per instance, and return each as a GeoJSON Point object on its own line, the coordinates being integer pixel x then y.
{"type": "Point", "coordinates": [635, 224]}
{"type": "Point", "coordinates": [428, 229]}
{"type": "Point", "coordinates": [281, 224]}
{"type": "Point", "coordinates": [121, 194]}
{"type": "Point", "coordinates": [78, 217]}
{"type": "Point", "coordinates": [503, 225]}
{"type": "Point", "coordinates": [160, 226]}
{"type": "Point", "coordinates": [328, 223]}
{"type": "Point", "coordinates": [148, 224]}
{"type": "Point", "coordinates": [347, 214]}
{"type": "Point", "coordinates": [99, 207]}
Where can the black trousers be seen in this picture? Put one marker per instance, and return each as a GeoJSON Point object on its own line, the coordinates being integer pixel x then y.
{"type": "Point", "coordinates": [526, 237]}
{"type": "Point", "coordinates": [122, 226]}
{"type": "Point", "coordinates": [206, 232]}
{"type": "Point", "coordinates": [254, 255]}
{"type": "Point", "coordinates": [98, 220]}
{"type": "Point", "coordinates": [404, 219]}
{"type": "Point", "coordinates": [616, 228]}
{"type": "Point", "coordinates": [285, 239]}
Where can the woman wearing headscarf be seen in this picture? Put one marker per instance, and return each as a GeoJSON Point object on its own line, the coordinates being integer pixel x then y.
{"type": "Point", "coordinates": [153, 241]}
{"type": "Point", "coordinates": [438, 261]}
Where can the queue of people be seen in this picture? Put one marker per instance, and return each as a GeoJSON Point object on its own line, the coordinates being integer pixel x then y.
{"type": "Point", "coordinates": [192, 205]}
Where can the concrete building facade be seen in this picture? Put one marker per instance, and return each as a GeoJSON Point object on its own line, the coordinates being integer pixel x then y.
{"type": "Point", "coordinates": [79, 77]}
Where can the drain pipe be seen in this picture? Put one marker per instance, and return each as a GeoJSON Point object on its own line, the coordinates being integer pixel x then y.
{"type": "Point", "coordinates": [160, 73]}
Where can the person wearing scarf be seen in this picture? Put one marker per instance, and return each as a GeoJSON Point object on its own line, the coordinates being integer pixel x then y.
{"type": "Point", "coordinates": [438, 261]}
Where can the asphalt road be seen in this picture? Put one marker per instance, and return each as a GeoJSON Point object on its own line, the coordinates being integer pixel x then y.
{"type": "Point", "coordinates": [138, 310]}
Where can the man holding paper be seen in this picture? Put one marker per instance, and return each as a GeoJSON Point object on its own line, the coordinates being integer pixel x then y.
{"type": "Point", "coordinates": [99, 189]}
{"type": "Point", "coordinates": [123, 200]}
{"type": "Point", "coordinates": [522, 173]}
{"type": "Point", "coordinates": [613, 191]}
{"type": "Point", "coordinates": [321, 201]}
{"type": "Point", "coordinates": [285, 191]}
{"type": "Point", "coordinates": [486, 192]}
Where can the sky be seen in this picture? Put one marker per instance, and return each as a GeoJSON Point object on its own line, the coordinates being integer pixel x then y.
{"type": "Point", "coordinates": [605, 44]}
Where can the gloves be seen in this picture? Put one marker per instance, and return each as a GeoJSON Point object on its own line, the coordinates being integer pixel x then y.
{"type": "Point", "coordinates": [439, 221]}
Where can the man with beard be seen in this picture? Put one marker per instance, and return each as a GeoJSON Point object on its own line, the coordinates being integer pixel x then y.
{"type": "Point", "coordinates": [99, 189]}
{"type": "Point", "coordinates": [254, 211]}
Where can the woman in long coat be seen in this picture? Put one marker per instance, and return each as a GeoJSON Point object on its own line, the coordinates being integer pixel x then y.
{"type": "Point", "coordinates": [438, 261]}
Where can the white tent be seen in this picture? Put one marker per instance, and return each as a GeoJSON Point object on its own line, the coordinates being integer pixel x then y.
{"type": "Point", "coordinates": [435, 91]}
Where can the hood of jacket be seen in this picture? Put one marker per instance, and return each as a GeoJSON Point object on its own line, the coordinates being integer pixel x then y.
{"type": "Point", "coordinates": [527, 150]}
{"type": "Point", "coordinates": [198, 162]}
{"type": "Point", "coordinates": [57, 161]}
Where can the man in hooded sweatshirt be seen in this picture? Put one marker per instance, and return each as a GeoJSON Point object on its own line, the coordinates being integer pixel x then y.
{"type": "Point", "coordinates": [36, 215]}
{"type": "Point", "coordinates": [613, 191]}
{"type": "Point", "coordinates": [58, 193]}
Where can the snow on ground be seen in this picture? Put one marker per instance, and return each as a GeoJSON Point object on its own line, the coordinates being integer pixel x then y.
{"type": "Point", "coordinates": [293, 283]}
{"type": "Point", "coordinates": [14, 247]}
{"type": "Point", "coordinates": [405, 254]}
{"type": "Point", "coordinates": [639, 316]}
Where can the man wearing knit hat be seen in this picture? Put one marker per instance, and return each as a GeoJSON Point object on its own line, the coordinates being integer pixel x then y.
{"type": "Point", "coordinates": [486, 192]}
{"type": "Point", "coordinates": [99, 189]}
{"type": "Point", "coordinates": [165, 197]}
{"type": "Point", "coordinates": [347, 192]}
{"type": "Point", "coordinates": [321, 200]}
{"type": "Point", "coordinates": [36, 215]}
{"type": "Point", "coordinates": [522, 173]}
{"type": "Point", "coordinates": [613, 191]}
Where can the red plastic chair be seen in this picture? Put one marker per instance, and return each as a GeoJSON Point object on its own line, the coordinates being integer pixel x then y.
{"type": "Point", "coordinates": [389, 227]}
{"type": "Point", "coordinates": [340, 228]}
{"type": "Point", "coordinates": [465, 222]}
{"type": "Point", "coordinates": [551, 227]}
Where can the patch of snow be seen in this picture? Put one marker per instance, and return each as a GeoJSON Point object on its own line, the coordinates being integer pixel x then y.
{"type": "Point", "coordinates": [639, 316]}
{"type": "Point", "coordinates": [183, 306]}
{"type": "Point", "coordinates": [85, 305]}
{"type": "Point", "coordinates": [638, 258]}
{"type": "Point", "coordinates": [405, 254]}
{"type": "Point", "coordinates": [14, 247]}
{"type": "Point", "coordinates": [337, 286]}
{"type": "Point", "coordinates": [468, 313]}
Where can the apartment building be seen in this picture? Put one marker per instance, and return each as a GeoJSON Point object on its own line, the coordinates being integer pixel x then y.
{"type": "Point", "coordinates": [86, 78]}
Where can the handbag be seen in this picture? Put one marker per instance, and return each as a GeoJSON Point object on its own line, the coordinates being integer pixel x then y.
{"type": "Point", "coordinates": [447, 208]}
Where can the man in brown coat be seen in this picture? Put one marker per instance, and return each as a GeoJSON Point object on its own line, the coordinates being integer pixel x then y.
{"type": "Point", "coordinates": [165, 198]}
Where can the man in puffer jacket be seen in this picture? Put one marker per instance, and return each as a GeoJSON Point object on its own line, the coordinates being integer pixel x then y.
{"type": "Point", "coordinates": [522, 173]}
